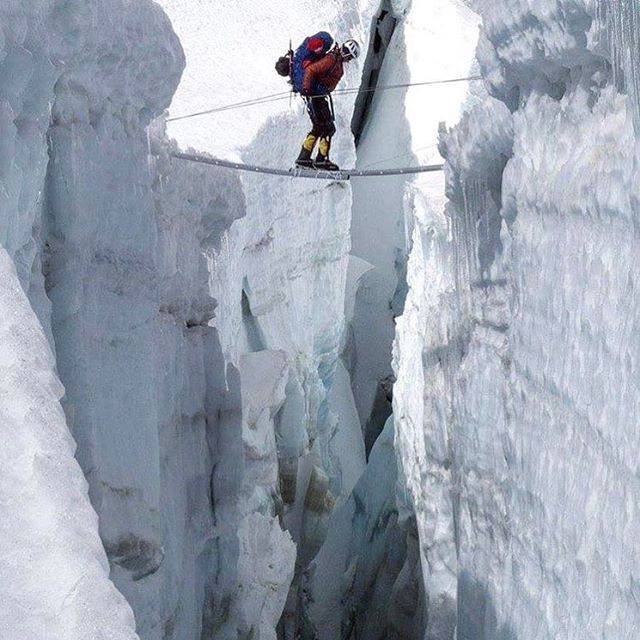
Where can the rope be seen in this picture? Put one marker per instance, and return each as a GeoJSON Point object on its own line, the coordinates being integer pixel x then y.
{"type": "Point", "coordinates": [401, 155]}
{"type": "Point", "coordinates": [237, 105]}
{"type": "Point", "coordinates": [341, 176]}
{"type": "Point", "coordinates": [286, 95]}
{"type": "Point", "coordinates": [407, 85]}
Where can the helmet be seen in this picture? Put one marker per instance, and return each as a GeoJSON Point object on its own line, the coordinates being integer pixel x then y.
{"type": "Point", "coordinates": [350, 49]}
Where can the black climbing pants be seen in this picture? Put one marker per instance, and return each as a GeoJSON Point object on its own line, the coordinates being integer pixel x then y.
{"type": "Point", "coordinates": [320, 110]}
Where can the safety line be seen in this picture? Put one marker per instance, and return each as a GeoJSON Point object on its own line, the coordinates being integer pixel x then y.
{"type": "Point", "coordinates": [341, 176]}
{"type": "Point", "coordinates": [237, 105]}
{"type": "Point", "coordinates": [286, 95]}
{"type": "Point", "coordinates": [406, 85]}
{"type": "Point", "coordinates": [400, 155]}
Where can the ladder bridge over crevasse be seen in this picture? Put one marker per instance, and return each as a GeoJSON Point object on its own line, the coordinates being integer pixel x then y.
{"type": "Point", "coordinates": [340, 176]}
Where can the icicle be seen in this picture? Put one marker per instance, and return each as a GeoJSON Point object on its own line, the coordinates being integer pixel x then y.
{"type": "Point", "coordinates": [149, 163]}
{"type": "Point", "coordinates": [465, 242]}
{"type": "Point", "coordinates": [620, 19]}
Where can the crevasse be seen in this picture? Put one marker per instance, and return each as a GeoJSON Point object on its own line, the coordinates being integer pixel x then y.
{"type": "Point", "coordinates": [209, 430]}
{"type": "Point", "coordinates": [197, 322]}
{"type": "Point", "coordinates": [214, 401]}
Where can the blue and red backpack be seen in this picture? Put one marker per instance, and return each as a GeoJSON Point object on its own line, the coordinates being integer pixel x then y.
{"type": "Point", "coordinates": [312, 49]}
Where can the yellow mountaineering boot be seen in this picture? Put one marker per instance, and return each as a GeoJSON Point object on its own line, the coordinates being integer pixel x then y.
{"type": "Point", "coordinates": [322, 161]}
{"type": "Point", "coordinates": [304, 159]}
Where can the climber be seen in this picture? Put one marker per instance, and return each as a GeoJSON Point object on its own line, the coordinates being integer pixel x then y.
{"type": "Point", "coordinates": [315, 70]}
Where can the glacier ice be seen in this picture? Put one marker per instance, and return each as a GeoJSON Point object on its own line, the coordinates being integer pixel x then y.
{"type": "Point", "coordinates": [96, 57]}
{"type": "Point", "coordinates": [196, 319]}
{"type": "Point", "coordinates": [365, 582]}
{"type": "Point", "coordinates": [401, 130]}
{"type": "Point", "coordinates": [223, 340]}
{"type": "Point", "coordinates": [372, 555]}
{"type": "Point", "coordinates": [281, 273]}
{"type": "Point", "coordinates": [516, 399]}
{"type": "Point", "coordinates": [54, 575]}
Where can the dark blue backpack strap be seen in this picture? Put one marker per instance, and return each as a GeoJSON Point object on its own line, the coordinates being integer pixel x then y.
{"type": "Point", "coordinates": [297, 68]}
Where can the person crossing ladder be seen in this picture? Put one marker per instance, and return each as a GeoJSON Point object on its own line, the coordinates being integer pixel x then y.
{"type": "Point", "coordinates": [315, 69]}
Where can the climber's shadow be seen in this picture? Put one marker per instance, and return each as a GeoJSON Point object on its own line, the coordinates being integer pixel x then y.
{"type": "Point", "coordinates": [477, 618]}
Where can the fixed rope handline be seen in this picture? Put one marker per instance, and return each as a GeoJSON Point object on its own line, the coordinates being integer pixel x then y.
{"type": "Point", "coordinates": [341, 176]}
{"type": "Point", "coordinates": [237, 105]}
{"type": "Point", "coordinates": [286, 95]}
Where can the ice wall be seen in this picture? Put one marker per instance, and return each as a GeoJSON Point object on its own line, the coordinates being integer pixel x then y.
{"type": "Point", "coordinates": [366, 580]}
{"type": "Point", "coordinates": [109, 238]}
{"type": "Point", "coordinates": [372, 555]}
{"type": "Point", "coordinates": [516, 401]}
{"type": "Point", "coordinates": [280, 277]}
{"type": "Point", "coordinates": [54, 575]}
{"type": "Point", "coordinates": [431, 41]}
{"type": "Point", "coordinates": [87, 52]}
{"type": "Point", "coordinates": [378, 230]}
{"type": "Point", "coordinates": [127, 280]}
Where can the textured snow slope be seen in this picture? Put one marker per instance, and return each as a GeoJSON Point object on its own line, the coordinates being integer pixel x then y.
{"type": "Point", "coordinates": [517, 395]}
{"type": "Point", "coordinates": [53, 570]}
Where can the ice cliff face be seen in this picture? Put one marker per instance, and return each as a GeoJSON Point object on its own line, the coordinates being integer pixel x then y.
{"type": "Point", "coordinates": [110, 246]}
{"type": "Point", "coordinates": [84, 65]}
{"type": "Point", "coordinates": [516, 402]}
{"type": "Point", "coordinates": [53, 570]}
{"type": "Point", "coordinates": [280, 277]}
{"type": "Point", "coordinates": [367, 580]}
{"type": "Point", "coordinates": [126, 276]}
